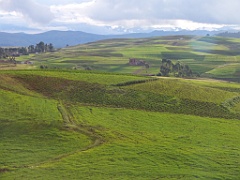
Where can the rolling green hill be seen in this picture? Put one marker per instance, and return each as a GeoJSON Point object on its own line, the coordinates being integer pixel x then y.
{"type": "Point", "coordinates": [214, 57]}
{"type": "Point", "coordinates": [90, 115]}
{"type": "Point", "coordinates": [91, 125]}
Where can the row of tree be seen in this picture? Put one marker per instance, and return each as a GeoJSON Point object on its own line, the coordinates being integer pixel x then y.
{"type": "Point", "coordinates": [40, 48]}
{"type": "Point", "coordinates": [17, 51]}
{"type": "Point", "coordinates": [7, 52]}
{"type": "Point", "coordinates": [178, 69]}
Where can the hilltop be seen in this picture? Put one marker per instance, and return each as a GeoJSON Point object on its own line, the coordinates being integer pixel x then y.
{"type": "Point", "coordinates": [210, 57]}
{"type": "Point", "coordinates": [62, 38]}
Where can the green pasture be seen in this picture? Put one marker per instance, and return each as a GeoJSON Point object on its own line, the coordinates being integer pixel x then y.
{"type": "Point", "coordinates": [31, 131]}
{"type": "Point", "coordinates": [186, 90]}
{"type": "Point", "coordinates": [66, 122]}
{"type": "Point", "coordinates": [144, 145]}
{"type": "Point", "coordinates": [88, 76]}
{"type": "Point", "coordinates": [225, 71]}
{"type": "Point", "coordinates": [127, 91]}
{"type": "Point", "coordinates": [202, 54]}
{"type": "Point", "coordinates": [76, 124]}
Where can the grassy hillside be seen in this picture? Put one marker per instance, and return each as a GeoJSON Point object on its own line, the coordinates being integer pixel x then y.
{"type": "Point", "coordinates": [88, 125]}
{"type": "Point", "coordinates": [216, 57]}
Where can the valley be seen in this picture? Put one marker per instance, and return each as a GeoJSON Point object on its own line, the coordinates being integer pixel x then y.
{"type": "Point", "coordinates": [89, 114]}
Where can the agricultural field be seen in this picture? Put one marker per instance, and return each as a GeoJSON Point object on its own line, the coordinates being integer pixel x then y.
{"type": "Point", "coordinates": [75, 124]}
{"type": "Point", "coordinates": [212, 57]}
{"type": "Point", "coordinates": [83, 112]}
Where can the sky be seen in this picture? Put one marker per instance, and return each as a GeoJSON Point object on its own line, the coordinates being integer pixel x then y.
{"type": "Point", "coordinates": [118, 16]}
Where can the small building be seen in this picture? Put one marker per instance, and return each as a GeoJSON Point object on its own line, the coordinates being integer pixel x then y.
{"type": "Point", "coordinates": [2, 61]}
{"type": "Point", "coordinates": [27, 62]}
{"type": "Point", "coordinates": [136, 62]}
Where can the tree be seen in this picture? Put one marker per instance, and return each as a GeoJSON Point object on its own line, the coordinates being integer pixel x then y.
{"type": "Point", "coordinates": [166, 67]}
{"type": "Point", "coordinates": [40, 47]}
{"type": "Point", "coordinates": [31, 49]}
{"type": "Point", "coordinates": [2, 52]}
{"type": "Point", "coordinates": [23, 50]}
{"type": "Point", "coordinates": [169, 63]}
{"type": "Point", "coordinates": [50, 47]}
{"type": "Point", "coordinates": [46, 49]}
{"type": "Point", "coordinates": [179, 70]}
{"type": "Point", "coordinates": [147, 66]}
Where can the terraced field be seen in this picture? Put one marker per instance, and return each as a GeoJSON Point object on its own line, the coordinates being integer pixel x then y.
{"type": "Point", "coordinates": [88, 125]}
{"type": "Point", "coordinates": [214, 57]}
{"type": "Point", "coordinates": [81, 118]}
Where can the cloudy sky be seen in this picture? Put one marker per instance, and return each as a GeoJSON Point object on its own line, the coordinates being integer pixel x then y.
{"type": "Point", "coordinates": [117, 16]}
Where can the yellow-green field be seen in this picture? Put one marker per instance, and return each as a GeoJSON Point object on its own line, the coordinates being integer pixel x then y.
{"type": "Point", "coordinates": [89, 125]}
{"type": "Point", "coordinates": [90, 115]}
{"type": "Point", "coordinates": [214, 57]}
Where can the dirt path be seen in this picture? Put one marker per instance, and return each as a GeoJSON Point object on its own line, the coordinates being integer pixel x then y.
{"type": "Point", "coordinates": [70, 125]}
{"type": "Point", "coordinates": [86, 130]}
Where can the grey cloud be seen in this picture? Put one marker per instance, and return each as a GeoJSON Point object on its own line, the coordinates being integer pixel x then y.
{"type": "Point", "coordinates": [60, 2]}
{"type": "Point", "coordinates": [31, 10]}
{"type": "Point", "coordinates": [202, 11]}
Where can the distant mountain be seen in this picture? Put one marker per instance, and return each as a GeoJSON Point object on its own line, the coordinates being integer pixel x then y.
{"type": "Point", "coordinates": [229, 34]}
{"type": "Point", "coordinates": [63, 38]}
{"type": "Point", "coordinates": [57, 38]}
{"type": "Point", "coordinates": [167, 33]}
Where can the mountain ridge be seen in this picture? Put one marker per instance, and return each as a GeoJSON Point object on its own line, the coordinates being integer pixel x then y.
{"type": "Point", "coordinates": [63, 38]}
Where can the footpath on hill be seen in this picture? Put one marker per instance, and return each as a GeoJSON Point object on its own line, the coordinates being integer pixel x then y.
{"type": "Point", "coordinates": [70, 125]}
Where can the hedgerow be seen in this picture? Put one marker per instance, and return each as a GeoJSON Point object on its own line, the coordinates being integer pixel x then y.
{"type": "Point", "coordinates": [135, 82]}
{"type": "Point", "coordinates": [231, 102]}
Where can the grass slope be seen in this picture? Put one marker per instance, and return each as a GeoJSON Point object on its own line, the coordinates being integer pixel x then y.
{"type": "Point", "coordinates": [147, 145]}
{"type": "Point", "coordinates": [31, 131]}
{"type": "Point", "coordinates": [159, 95]}
{"type": "Point", "coordinates": [82, 125]}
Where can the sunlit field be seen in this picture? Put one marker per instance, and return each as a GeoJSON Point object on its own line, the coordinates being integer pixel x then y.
{"type": "Point", "coordinates": [214, 57]}
{"type": "Point", "coordinates": [88, 125]}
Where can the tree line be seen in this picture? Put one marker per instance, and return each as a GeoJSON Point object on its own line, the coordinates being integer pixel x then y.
{"type": "Point", "coordinates": [230, 34]}
{"type": "Point", "coordinates": [40, 48]}
{"type": "Point", "coordinates": [17, 51]}
{"type": "Point", "coordinates": [177, 69]}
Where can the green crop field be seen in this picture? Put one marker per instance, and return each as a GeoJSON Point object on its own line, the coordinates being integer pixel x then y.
{"type": "Point", "coordinates": [83, 112]}
{"type": "Point", "coordinates": [214, 57]}
{"type": "Point", "coordinates": [69, 124]}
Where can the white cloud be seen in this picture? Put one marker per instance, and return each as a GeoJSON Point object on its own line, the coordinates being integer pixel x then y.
{"type": "Point", "coordinates": [72, 13]}
{"type": "Point", "coordinates": [202, 11]}
{"type": "Point", "coordinates": [31, 10]}
{"type": "Point", "coordinates": [60, 2]}
{"type": "Point", "coordinates": [149, 13]}
{"type": "Point", "coordinates": [145, 14]}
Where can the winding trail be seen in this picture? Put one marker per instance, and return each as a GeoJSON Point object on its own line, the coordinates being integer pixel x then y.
{"type": "Point", "coordinates": [70, 125]}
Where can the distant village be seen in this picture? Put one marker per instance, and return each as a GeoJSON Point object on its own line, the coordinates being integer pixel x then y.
{"type": "Point", "coordinates": [11, 60]}
{"type": "Point", "coordinates": [8, 55]}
